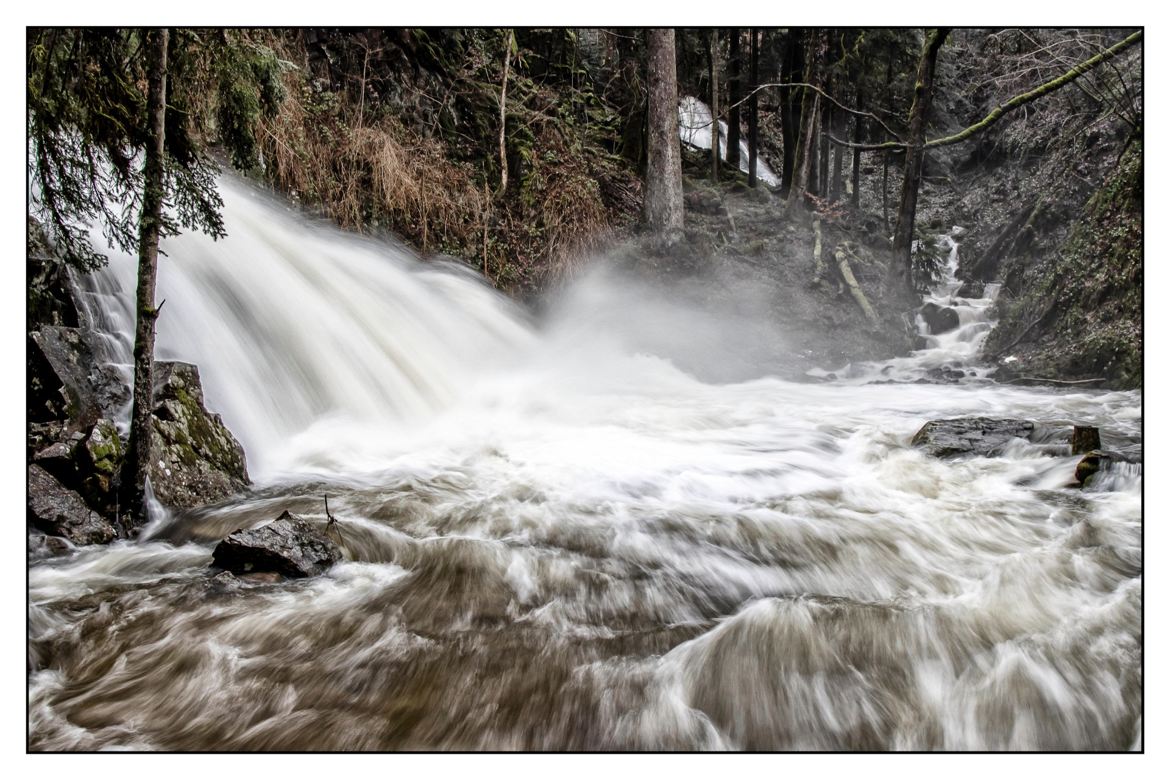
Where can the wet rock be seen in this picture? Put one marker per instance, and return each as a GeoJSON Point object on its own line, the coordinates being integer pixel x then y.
{"type": "Point", "coordinates": [1100, 460]}
{"type": "Point", "coordinates": [68, 377]}
{"type": "Point", "coordinates": [939, 319]}
{"type": "Point", "coordinates": [974, 436]}
{"type": "Point", "coordinates": [289, 545]}
{"type": "Point", "coordinates": [970, 289]}
{"type": "Point", "coordinates": [42, 546]}
{"type": "Point", "coordinates": [52, 298]}
{"type": "Point", "coordinates": [196, 458]}
{"type": "Point", "coordinates": [60, 457]}
{"type": "Point", "coordinates": [946, 374]}
{"type": "Point", "coordinates": [59, 511]}
{"type": "Point", "coordinates": [223, 582]}
{"type": "Point", "coordinates": [102, 463]}
{"type": "Point", "coordinates": [1085, 439]}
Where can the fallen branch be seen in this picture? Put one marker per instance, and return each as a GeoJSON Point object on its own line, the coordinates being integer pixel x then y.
{"type": "Point", "coordinates": [854, 288]}
{"type": "Point", "coordinates": [1053, 381]}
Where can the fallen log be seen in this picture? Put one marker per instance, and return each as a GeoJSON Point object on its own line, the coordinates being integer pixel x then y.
{"type": "Point", "coordinates": [854, 288]}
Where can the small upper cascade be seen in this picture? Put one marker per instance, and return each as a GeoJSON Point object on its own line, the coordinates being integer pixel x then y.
{"type": "Point", "coordinates": [951, 329]}
{"type": "Point", "coordinates": [694, 128]}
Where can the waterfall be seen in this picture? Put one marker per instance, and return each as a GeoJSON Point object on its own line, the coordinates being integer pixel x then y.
{"type": "Point", "coordinates": [298, 327]}
{"type": "Point", "coordinates": [567, 535]}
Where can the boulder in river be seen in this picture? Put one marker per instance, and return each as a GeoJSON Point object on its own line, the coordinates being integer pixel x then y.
{"type": "Point", "coordinates": [939, 319]}
{"type": "Point", "coordinates": [1101, 460]}
{"type": "Point", "coordinates": [59, 511]}
{"type": "Point", "coordinates": [976, 436]}
{"type": "Point", "coordinates": [196, 458]}
{"type": "Point", "coordinates": [289, 545]}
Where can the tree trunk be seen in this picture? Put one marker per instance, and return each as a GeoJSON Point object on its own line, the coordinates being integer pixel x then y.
{"type": "Point", "coordinates": [503, 113]}
{"type": "Point", "coordinates": [789, 109]}
{"type": "Point", "coordinates": [734, 95]}
{"type": "Point", "coordinates": [713, 59]}
{"type": "Point", "coordinates": [823, 145]}
{"type": "Point", "coordinates": [900, 266]}
{"type": "Point", "coordinates": [664, 196]}
{"type": "Point", "coordinates": [886, 192]}
{"type": "Point", "coordinates": [804, 179]}
{"type": "Point", "coordinates": [752, 105]}
{"type": "Point", "coordinates": [855, 196]}
{"type": "Point", "coordinates": [837, 191]}
{"type": "Point", "coordinates": [138, 458]}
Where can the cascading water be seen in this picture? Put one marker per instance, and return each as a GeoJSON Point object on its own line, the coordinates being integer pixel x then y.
{"type": "Point", "coordinates": [558, 539]}
{"type": "Point", "coordinates": [956, 350]}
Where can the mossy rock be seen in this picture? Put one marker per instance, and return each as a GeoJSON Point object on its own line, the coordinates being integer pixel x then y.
{"type": "Point", "coordinates": [196, 459]}
{"type": "Point", "coordinates": [104, 448]}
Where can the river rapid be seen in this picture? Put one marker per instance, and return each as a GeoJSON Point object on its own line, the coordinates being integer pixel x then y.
{"type": "Point", "coordinates": [558, 538]}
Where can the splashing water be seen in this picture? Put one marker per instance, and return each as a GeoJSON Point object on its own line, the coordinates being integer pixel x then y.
{"type": "Point", "coordinates": [557, 539]}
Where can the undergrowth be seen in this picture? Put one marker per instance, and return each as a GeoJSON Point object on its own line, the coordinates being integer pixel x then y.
{"type": "Point", "coordinates": [415, 150]}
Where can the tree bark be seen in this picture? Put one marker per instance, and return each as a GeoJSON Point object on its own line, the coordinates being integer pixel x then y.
{"type": "Point", "coordinates": [713, 59]}
{"type": "Point", "coordinates": [754, 108]}
{"type": "Point", "coordinates": [886, 192]}
{"type": "Point", "coordinates": [137, 465]}
{"type": "Point", "coordinates": [789, 109]}
{"type": "Point", "coordinates": [837, 190]}
{"type": "Point", "coordinates": [734, 95]}
{"type": "Point", "coordinates": [804, 179]}
{"type": "Point", "coordinates": [823, 188]}
{"type": "Point", "coordinates": [855, 196]}
{"type": "Point", "coordinates": [664, 197]}
{"type": "Point", "coordinates": [503, 115]}
{"type": "Point", "coordinates": [900, 264]}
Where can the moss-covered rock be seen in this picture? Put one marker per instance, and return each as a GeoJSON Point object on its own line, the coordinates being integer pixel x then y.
{"type": "Point", "coordinates": [196, 459]}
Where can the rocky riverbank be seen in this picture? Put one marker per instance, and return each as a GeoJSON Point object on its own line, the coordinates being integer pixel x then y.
{"type": "Point", "coordinates": [77, 404]}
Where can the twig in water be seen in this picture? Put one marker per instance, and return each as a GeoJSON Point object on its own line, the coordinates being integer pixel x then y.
{"type": "Point", "coordinates": [331, 521]}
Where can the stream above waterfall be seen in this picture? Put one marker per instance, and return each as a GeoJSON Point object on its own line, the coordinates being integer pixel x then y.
{"type": "Point", "coordinates": [558, 537]}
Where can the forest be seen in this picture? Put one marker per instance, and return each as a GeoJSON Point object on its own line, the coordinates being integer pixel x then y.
{"type": "Point", "coordinates": [587, 389]}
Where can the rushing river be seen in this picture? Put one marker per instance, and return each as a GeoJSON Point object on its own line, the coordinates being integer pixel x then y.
{"type": "Point", "coordinates": [559, 539]}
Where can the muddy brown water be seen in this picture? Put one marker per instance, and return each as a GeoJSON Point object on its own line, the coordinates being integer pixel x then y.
{"type": "Point", "coordinates": [556, 539]}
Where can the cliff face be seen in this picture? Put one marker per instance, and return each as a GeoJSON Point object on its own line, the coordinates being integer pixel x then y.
{"type": "Point", "coordinates": [1078, 314]}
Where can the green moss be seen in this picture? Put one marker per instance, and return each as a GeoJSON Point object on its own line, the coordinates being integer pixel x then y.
{"type": "Point", "coordinates": [105, 448]}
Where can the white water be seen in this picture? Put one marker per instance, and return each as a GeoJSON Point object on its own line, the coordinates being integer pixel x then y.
{"type": "Point", "coordinates": [957, 349]}
{"type": "Point", "coordinates": [559, 539]}
{"type": "Point", "coordinates": [694, 128]}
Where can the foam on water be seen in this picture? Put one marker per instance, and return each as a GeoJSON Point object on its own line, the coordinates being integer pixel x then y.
{"type": "Point", "coordinates": [558, 538]}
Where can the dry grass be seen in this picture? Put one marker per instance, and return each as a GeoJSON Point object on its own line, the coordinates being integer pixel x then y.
{"type": "Point", "coordinates": [377, 175]}
{"type": "Point", "coordinates": [367, 169]}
